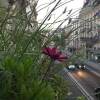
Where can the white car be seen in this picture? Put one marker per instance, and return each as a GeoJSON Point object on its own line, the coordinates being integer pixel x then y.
{"type": "Point", "coordinates": [71, 67]}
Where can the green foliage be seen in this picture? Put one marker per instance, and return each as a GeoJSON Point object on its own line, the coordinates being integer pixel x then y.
{"type": "Point", "coordinates": [81, 98]}
{"type": "Point", "coordinates": [60, 86]}
{"type": "Point", "coordinates": [59, 40]}
{"type": "Point", "coordinates": [76, 57]}
{"type": "Point", "coordinates": [21, 65]}
{"type": "Point", "coordinates": [2, 13]}
{"type": "Point", "coordinates": [17, 82]}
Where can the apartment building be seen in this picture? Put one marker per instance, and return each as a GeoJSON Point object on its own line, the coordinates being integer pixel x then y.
{"type": "Point", "coordinates": [72, 36]}
{"type": "Point", "coordinates": [89, 19]}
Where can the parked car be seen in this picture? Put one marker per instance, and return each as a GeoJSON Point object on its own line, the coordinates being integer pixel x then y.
{"type": "Point", "coordinates": [97, 92]}
{"type": "Point", "coordinates": [71, 67]}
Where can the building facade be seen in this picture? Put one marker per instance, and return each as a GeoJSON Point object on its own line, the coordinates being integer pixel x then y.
{"type": "Point", "coordinates": [89, 19]}
{"type": "Point", "coordinates": [72, 36]}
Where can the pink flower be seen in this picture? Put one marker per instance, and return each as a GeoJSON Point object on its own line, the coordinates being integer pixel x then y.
{"type": "Point", "coordinates": [54, 53]}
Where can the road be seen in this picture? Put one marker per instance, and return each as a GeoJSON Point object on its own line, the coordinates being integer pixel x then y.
{"type": "Point", "coordinates": [74, 91]}
{"type": "Point", "coordinates": [88, 80]}
{"type": "Point", "coordinates": [93, 67]}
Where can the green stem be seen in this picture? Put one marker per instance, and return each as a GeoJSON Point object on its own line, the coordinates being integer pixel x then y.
{"type": "Point", "coordinates": [48, 70]}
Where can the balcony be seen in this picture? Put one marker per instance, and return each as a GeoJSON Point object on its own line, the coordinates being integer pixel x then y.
{"type": "Point", "coordinates": [90, 41]}
{"type": "Point", "coordinates": [85, 39]}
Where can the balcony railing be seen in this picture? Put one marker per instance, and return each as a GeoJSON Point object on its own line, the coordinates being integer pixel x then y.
{"type": "Point", "coordinates": [90, 41]}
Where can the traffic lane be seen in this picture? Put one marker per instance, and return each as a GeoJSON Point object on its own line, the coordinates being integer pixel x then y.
{"type": "Point", "coordinates": [88, 80]}
{"type": "Point", "coordinates": [93, 66]}
{"type": "Point", "coordinates": [74, 91]}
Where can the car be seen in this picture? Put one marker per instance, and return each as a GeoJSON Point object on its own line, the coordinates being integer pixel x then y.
{"type": "Point", "coordinates": [76, 65]}
{"type": "Point", "coordinates": [80, 65]}
{"type": "Point", "coordinates": [97, 92]}
{"type": "Point", "coordinates": [71, 67]}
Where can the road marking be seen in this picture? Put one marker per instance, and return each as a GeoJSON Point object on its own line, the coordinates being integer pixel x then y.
{"type": "Point", "coordinates": [89, 97]}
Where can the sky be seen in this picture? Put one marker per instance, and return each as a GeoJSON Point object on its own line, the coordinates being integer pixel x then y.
{"type": "Point", "coordinates": [75, 5]}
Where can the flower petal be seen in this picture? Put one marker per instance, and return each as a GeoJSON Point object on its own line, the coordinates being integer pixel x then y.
{"type": "Point", "coordinates": [46, 51]}
{"type": "Point", "coordinates": [54, 53]}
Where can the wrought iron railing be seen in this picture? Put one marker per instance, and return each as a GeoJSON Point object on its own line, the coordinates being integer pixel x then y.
{"type": "Point", "coordinates": [90, 41]}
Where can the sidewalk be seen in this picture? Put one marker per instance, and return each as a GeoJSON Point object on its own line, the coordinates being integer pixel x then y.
{"type": "Point", "coordinates": [93, 66]}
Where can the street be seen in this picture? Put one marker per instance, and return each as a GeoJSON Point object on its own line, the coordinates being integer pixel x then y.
{"type": "Point", "coordinates": [74, 91]}
{"type": "Point", "coordinates": [87, 81]}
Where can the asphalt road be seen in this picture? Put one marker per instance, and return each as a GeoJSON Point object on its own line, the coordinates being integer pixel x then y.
{"type": "Point", "coordinates": [88, 80]}
{"type": "Point", "coordinates": [74, 91]}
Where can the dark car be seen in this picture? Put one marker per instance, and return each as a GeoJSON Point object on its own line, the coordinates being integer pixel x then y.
{"type": "Point", "coordinates": [80, 65]}
{"type": "Point", "coordinates": [76, 65]}
{"type": "Point", "coordinates": [97, 92]}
